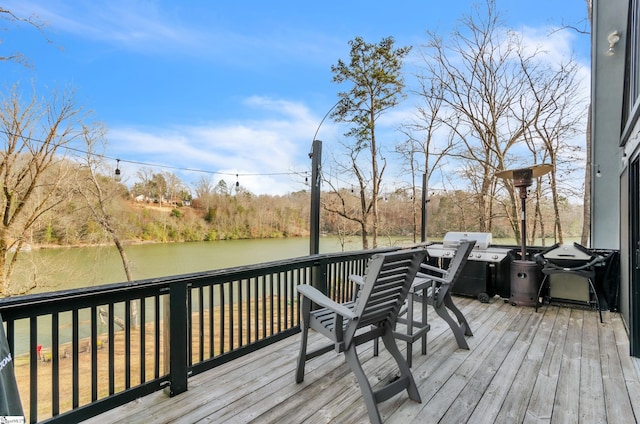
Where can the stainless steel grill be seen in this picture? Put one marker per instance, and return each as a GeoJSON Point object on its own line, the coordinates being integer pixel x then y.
{"type": "Point", "coordinates": [487, 270]}
{"type": "Point", "coordinates": [482, 251]}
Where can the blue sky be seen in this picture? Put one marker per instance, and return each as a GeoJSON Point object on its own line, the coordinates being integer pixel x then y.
{"type": "Point", "coordinates": [234, 87]}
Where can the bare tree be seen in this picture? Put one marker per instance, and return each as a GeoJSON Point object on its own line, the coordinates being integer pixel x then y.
{"type": "Point", "coordinates": [424, 149]}
{"type": "Point", "coordinates": [10, 17]}
{"type": "Point", "coordinates": [374, 72]}
{"type": "Point", "coordinates": [33, 172]}
{"type": "Point", "coordinates": [481, 84]}
{"type": "Point", "coordinates": [559, 115]}
{"type": "Point", "coordinates": [101, 194]}
{"type": "Point", "coordinates": [204, 192]}
{"type": "Point", "coordinates": [174, 186]}
{"type": "Point", "coordinates": [497, 89]}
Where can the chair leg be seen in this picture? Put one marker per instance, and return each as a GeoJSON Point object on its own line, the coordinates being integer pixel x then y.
{"type": "Point", "coordinates": [304, 326]}
{"type": "Point", "coordinates": [455, 328]}
{"type": "Point", "coordinates": [376, 347]}
{"type": "Point", "coordinates": [351, 357]}
{"type": "Point", "coordinates": [448, 302]}
{"type": "Point", "coordinates": [302, 356]}
{"type": "Point", "coordinates": [405, 371]}
{"type": "Point", "coordinates": [423, 319]}
{"type": "Point", "coordinates": [409, 327]}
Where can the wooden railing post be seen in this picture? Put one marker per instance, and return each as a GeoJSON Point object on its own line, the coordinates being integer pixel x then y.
{"type": "Point", "coordinates": [178, 327]}
{"type": "Point", "coordinates": [319, 277]}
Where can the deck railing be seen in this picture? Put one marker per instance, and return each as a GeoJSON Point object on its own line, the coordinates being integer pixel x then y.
{"type": "Point", "coordinates": [78, 353]}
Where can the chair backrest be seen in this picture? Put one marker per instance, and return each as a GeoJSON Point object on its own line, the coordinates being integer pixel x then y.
{"type": "Point", "coordinates": [452, 273]}
{"type": "Point", "coordinates": [459, 260]}
{"type": "Point", "coordinates": [387, 280]}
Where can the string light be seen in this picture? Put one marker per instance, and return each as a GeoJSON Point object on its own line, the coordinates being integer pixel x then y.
{"type": "Point", "coordinates": [155, 165]}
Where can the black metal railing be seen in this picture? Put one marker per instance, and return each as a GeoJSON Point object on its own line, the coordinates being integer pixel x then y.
{"type": "Point", "coordinates": [78, 353]}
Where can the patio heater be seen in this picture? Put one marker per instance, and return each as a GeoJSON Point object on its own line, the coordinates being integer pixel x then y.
{"type": "Point", "coordinates": [524, 273]}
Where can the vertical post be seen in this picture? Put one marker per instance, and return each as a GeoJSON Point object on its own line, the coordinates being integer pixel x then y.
{"type": "Point", "coordinates": [318, 273]}
{"type": "Point", "coordinates": [178, 346]}
{"type": "Point", "coordinates": [314, 221]}
{"type": "Point", "coordinates": [523, 223]}
{"type": "Point", "coordinates": [425, 200]}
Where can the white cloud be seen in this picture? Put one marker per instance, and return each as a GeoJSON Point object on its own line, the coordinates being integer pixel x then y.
{"type": "Point", "coordinates": [269, 154]}
{"type": "Point", "coordinates": [148, 27]}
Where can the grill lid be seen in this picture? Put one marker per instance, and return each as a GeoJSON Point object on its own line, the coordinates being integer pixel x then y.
{"type": "Point", "coordinates": [568, 252]}
{"type": "Point", "coordinates": [453, 239]}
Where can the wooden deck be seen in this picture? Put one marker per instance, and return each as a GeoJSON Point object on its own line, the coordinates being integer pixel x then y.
{"type": "Point", "coordinates": [559, 365]}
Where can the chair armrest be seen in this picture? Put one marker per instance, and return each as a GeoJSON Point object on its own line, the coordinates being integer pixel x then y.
{"type": "Point", "coordinates": [317, 297]}
{"type": "Point", "coordinates": [421, 282]}
{"type": "Point", "coordinates": [430, 277]}
{"type": "Point", "coordinates": [357, 279]}
{"type": "Point", "coordinates": [432, 268]}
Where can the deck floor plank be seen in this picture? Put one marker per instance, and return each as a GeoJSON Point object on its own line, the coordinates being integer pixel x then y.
{"type": "Point", "coordinates": [504, 379]}
{"type": "Point", "coordinates": [592, 406]}
{"type": "Point", "coordinates": [615, 393]}
{"type": "Point", "coordinates": [567, 398]}
{"type": "Point", "coordinates": [484, 371]}
{"type": "Point", "coordinates": [515, 405]}
{"type": "Point", "coordinates": [544, 390]}
{"type": "Point", "coordinates": [558, 365]}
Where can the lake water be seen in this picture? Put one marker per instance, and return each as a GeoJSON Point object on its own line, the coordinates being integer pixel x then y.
{"type": "Point", "coordinates": [67, 268]}
{"type": "Point", "coordinates": [57, 269]}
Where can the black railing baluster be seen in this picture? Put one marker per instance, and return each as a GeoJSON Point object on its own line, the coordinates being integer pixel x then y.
{"type": "Point", "coordinates": [94, 353]}
{"type": "Point", "coordinates": [211, 322]}
{"type": "Point", "coordinates": [279, 300]}
{"type": "Point", "coordinates": [239, 302]}
{"type": "Point", "coordinates": [55, 364]}
{"type": "Point", "coordinates": [142, 321]}
{"type": "Point", "coordinates": [189, 338]}
{"type": "Point", "coordinates": [75, 356]}
{"type": "Point", "coordinates": [247, 283]}
{"type": "Point", "coordinates": [231, 316]}
{"type": "Point", "coordinates": [34, 357]}
{"type": "Point", "coordinates": [200, 324]}
{"type": "Point", "coordinates": [222, 313]}
{"type": "Point", "coordinates": [271, 302]}
{"type": "Point", "coordinates": [256, 311]}
{"type": "Point", "coordinates": [263, 307]}
{"type": "Point", "coordinates": [127, 344]}
{"type": "Point", "coordinates": [156, 332]}
{"type": "Point", "coordinates": [111, 338]}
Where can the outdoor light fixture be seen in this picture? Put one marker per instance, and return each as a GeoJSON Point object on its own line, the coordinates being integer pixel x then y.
{"type": "Point", "coordinates": [598, 173]}
{"type": "Point", "coordinates": [118, 176]}
{"type": "Point", "coordinates": [613, 38]}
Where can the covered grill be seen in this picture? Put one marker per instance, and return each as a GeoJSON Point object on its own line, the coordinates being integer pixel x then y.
{"type": "Point", "coordinates": [570, 275]}
{"type": "Point", "coordinates": [487, 271]}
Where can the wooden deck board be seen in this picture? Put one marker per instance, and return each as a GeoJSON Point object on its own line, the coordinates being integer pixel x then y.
{"type": "Point", "coordinates": [514, 407]}
{"type": "Point", "coordinates": [592, 408]}
{"type": "Point", "coordinates": [558, 365]}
